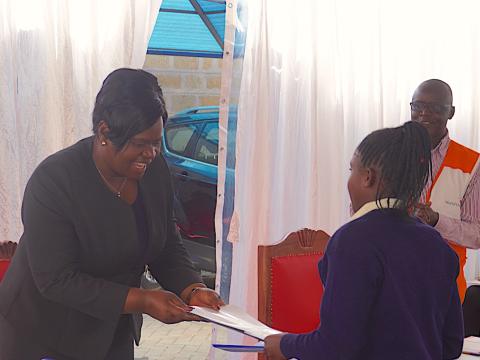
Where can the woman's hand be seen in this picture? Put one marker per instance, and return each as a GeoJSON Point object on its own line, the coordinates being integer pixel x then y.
{"type": "Point", "coordinates": [272, 347]}
{"type": "Point", "coordinates": [167, 307]}
{"type": "Point", "coordinates": [205, 297]}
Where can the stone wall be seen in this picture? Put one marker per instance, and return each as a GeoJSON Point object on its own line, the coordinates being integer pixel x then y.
{"type": "Point", "coordinates": [186, 81]}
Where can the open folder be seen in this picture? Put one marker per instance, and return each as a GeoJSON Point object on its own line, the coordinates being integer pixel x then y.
{"type": "Point", "coordinates": [235, 318]}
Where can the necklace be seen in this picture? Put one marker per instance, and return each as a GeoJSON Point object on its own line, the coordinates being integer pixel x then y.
{"type": "Point", "coordinates": [117, 191]}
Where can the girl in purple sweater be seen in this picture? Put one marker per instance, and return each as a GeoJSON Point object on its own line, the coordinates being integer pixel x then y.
{"type": "Point", "coordinates": [390, 290]}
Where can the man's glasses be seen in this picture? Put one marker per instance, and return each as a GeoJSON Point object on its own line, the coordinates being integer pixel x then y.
{"type": "Point", "coordinates": [435, 108]}
{"type": "Point", "coordinates": [142, 145]}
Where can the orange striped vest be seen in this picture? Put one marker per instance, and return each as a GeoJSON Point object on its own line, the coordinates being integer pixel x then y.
{"type": "Point", "coordinates": [447, 191]}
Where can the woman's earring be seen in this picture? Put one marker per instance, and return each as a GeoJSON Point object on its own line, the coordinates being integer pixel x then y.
{"type": "Point", "coordinates": [103, 143]}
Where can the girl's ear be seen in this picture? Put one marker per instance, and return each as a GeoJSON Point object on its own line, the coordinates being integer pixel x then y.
{"type": "Point", "coordinates": [371, 177]}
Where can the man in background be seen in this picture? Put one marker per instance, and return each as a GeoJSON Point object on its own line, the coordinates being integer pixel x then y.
{"type": "Point", "coordinates": [451, 200]}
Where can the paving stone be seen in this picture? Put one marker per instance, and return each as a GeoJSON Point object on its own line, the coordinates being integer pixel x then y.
{"type": "Point", "coordinates": [184, 341]}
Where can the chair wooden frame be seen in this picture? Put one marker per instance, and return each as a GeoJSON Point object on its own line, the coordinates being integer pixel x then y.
{"type": "Point", "coordinates": [7, 249]}
{"type": "Point", "coordinates": [302, 242]}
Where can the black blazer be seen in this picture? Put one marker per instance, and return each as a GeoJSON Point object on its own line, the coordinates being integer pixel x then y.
{"type": "Point", "coordinates": [79, 253]}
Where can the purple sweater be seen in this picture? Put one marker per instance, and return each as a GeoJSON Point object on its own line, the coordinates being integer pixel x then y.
{"type": "Point", "coordinates": [390, 293]}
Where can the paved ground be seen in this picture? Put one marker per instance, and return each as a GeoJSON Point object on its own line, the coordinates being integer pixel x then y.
{"type": "Point", "coordinates": [184, 341]}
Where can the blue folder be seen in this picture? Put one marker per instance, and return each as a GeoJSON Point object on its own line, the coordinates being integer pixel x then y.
{"type": "Point", "coordinates": [259, 347]}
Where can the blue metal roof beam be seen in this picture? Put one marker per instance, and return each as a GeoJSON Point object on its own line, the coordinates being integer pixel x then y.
{"type": "Point", "coordinates": [191, 11]}
{"type": "Point", "coordinates": [195, 53]}
{"type": "Point", "coordinates": [207, 22]}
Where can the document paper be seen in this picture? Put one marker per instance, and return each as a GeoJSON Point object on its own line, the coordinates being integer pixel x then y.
{"type": "Point", "coordinates": [235, 318]}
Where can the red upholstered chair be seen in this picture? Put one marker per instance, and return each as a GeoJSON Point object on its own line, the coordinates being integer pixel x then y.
{"type": "Point", "coordinates": [7, 249]}
{"type": "Point", "coordinates": [289, 286]}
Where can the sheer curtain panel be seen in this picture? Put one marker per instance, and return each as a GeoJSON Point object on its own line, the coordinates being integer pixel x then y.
{"type": "Point", "coordinates": [53, 56]}
{"type": "Point", "coordinates": [318, 76]}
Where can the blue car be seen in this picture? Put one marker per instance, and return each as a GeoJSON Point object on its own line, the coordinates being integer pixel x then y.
{"type": "Point", "coordinates": [190, 147]}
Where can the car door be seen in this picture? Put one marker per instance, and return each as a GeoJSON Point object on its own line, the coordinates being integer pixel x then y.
{"type": "Point", "coordinates": [178, 141]}
{"type": "Point", "coordinates": [191, 151]}
{"type": "Point", "coordinates": [202, 191]}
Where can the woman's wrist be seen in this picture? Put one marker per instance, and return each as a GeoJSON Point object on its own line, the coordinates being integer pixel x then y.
{"type": "Point", "coordinates": [188, 292]}
{"type": "Point", "coordinates": [136, 302]}
{"type": "Point", "coordinates": [189, 296]}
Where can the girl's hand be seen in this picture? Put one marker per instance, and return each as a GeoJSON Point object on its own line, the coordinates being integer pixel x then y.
{"type": "Point", "coordinates": [272, 347]}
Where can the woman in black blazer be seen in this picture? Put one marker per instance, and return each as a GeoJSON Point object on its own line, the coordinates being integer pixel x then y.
{"type": "Point", "coordinates": [94, 215]}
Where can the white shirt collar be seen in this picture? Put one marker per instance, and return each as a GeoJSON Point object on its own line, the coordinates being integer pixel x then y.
{"type": "Point", "coordinates": [384, 203]}
{"type": "Point", "coordinates": [442, 146]}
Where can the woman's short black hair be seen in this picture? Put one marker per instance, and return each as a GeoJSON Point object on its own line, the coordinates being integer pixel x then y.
{"type": "Point", "coordinates": [403, 156]}
{"type": "Point", "coordinates": [130, 101]}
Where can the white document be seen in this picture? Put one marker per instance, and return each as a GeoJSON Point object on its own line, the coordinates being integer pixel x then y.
{"type": "Point", "coordinates": [471, 345]}
{"type": "Point", "coordinates": [235, 318]}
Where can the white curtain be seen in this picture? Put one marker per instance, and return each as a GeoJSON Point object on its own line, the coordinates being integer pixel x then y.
{"type": "Point", "coordinates": [318, 76]}
{"type": "Point", "coordinates": [54, 55]}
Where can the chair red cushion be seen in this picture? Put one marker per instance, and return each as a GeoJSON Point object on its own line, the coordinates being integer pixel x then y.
{"type": "Point", "coordinates": [3, 267]}
{"type": "Point", "coordinates": [296, 293]}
